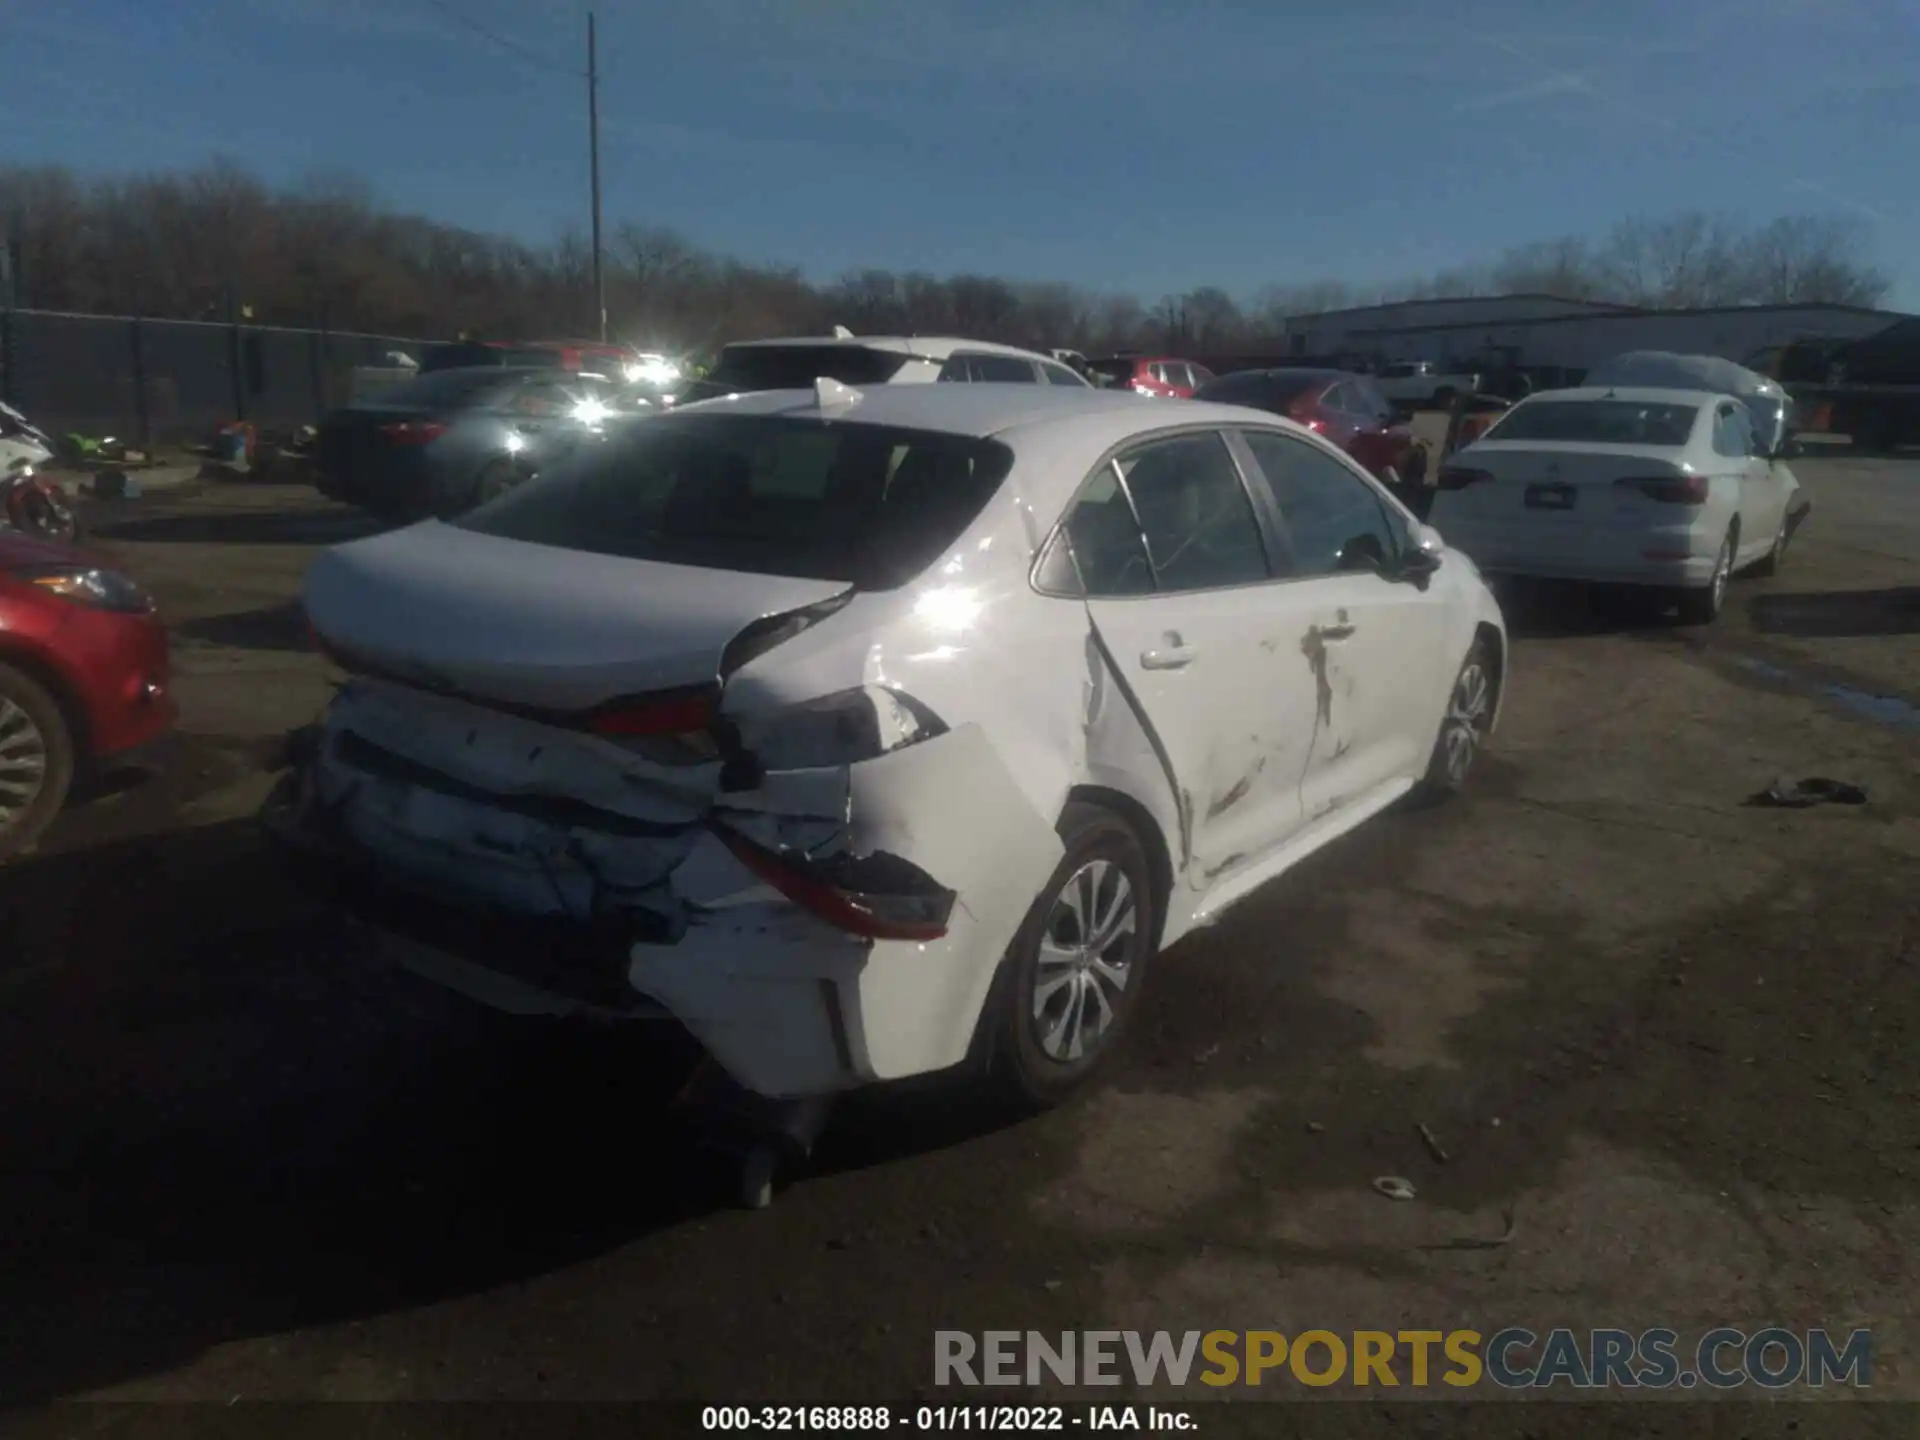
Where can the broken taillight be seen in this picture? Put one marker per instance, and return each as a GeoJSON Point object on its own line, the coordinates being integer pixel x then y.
{"type": "Point", "coordinates": [878, 897]}
{"type": "Point", "coordinates": [1670, 489]}
{"type": "Point", "coordinates": [670, 713]}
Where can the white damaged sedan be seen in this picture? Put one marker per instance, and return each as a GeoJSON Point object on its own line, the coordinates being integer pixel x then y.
{"type": "Point", "coordinates": [867, 735]}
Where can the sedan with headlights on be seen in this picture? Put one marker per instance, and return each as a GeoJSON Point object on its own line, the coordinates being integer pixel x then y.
{"type": "Point", "coordinates": [450, 440]}
{"type": "Point", "coordinates": [83, 678]}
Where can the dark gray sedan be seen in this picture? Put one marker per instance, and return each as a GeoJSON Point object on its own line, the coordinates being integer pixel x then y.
{"type": "Point", "coordinates": [446, 442]}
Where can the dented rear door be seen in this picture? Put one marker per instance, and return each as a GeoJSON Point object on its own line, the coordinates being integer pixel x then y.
{"type": "Point", "coordinates": [1174, 564]}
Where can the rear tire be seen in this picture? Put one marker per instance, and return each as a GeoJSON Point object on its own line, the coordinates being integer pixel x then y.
{"type": "Point", "coordinates": [1060, 1004]}
{"type": "Point", "coordinates": [36, 760]}
{"type": "Point", "coordinates": [1777, 556]}
{"type": "Point", "coordinates": [1701, 605]}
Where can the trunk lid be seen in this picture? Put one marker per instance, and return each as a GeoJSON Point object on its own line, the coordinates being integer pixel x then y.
{"type": "Point", "coordinates": [1552, 483]}
{"type": "Point", "coordinates": [519, 624]}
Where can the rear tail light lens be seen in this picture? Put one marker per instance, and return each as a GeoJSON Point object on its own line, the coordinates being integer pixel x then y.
{"type": "Point", "coordinates": [413, 432]}
{"type": "Point", "coordinates": [878, 897]}
{"type": "Point", "coordinates": [670, 713]}
{"type": "Point", "coordinates": [1454, 477]}
{"type": "Point", "coordinates": [1670, 489]}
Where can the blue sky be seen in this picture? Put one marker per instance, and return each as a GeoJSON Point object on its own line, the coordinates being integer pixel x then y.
{"type": "Point", "coordinates": [1149, 147]}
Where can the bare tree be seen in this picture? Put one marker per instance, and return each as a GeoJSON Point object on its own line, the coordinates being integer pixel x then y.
{"type": "Point", "coordinates": [327, 250]}
{"type": "Point", "coordinates": [1803, 258]}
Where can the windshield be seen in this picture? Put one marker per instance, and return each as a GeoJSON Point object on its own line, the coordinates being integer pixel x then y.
{"type": "Point", "coordinates": [1598, 422]}
{"type": "Point", "coordinates": [866, 504]}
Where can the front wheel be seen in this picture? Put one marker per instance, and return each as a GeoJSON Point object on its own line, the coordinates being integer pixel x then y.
{"type": "Point", "coordinates": [1701, 605]}
{"type": "Point", "coordinates": [36, 760]}
{"type": "Point", "coordinates": [1464, 727]}
{"type": "Point", "coordinates": [1072, 976]}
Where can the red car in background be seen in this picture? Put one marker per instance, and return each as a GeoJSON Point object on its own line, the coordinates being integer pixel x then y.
{"type": "Point", "coordinates": [83, 678]}
{"type": "Point", "coordinates": [1158, 375]}
{"type": "Point", "coordinates": [1346, 408]}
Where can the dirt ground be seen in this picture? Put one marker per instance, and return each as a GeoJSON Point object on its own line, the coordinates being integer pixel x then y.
{"type": "Point", "coordinates": [1674, 1038]}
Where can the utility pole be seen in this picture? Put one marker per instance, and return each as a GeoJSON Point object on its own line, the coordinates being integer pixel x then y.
{"type": "Point", "coordinates": [593, 151]}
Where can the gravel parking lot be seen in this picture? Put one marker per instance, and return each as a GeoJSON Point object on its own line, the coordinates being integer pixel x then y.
{"type": "Point", "coordinates": [1666, 1039]}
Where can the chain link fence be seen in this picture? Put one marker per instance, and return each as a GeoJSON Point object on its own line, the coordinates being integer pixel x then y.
{"type": "Point", "coordinates": [160, 382]}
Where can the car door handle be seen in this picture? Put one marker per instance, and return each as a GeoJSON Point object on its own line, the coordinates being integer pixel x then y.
{"type": "Point", "coordinates": [1173, 657]}
{"type": "Point", "coordinates": [1335, 632]}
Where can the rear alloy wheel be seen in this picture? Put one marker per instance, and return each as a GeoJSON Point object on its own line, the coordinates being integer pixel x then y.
{"type": "Point", "coordinates": [1463, 729]}
{"type": "Point", "coordinates": [1701, 605]}
{"type": "Point", "coordinates": [1073, 973]}
{"type": "Point", "coordinates": [36, 761]}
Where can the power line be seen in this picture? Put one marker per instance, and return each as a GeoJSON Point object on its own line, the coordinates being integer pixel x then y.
{"type": "Point", "coordinates": [511, 46]}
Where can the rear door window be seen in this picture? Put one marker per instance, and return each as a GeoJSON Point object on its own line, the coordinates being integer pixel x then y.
{"type": "Point", "coordinates": [1199, 523]}
{"type": "Point", "coordinates": [1061, 375]}
{"type": "Point", "coordinates": [1732, 432]}
{"type": "Point", "coordinates": [769, 495]}
{"type": "Point", "coordinates": [1104, 541]}
{"type": "Point", "coordinates": [1001, 370]}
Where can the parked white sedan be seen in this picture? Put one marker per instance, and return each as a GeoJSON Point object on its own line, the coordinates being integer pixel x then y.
{"type": "Point", "coordinates": [870, 734]}
{"type": "Point", "coordinates": [1667, 490]}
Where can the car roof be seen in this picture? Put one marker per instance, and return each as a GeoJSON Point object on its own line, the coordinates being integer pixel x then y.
{"type": "Point", "coordinates": [1643, 394]}
{"type": "Point", "coordinates": [923, 347]}
{"type": "Point", "coordinates": [987, 410]}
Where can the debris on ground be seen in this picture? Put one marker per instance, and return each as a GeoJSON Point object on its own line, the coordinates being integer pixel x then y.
{"type": "Point", "coordinates": [1314, 1127]}
{"type": "Point", "coordinates": [1813, 791]}
{"type": "Point", "coordinates": [1394, 1187]}
{"type": "Point", "coordinates": [1478, 1242]}
{"type": "Point", "coordinates": [1433, 1145]}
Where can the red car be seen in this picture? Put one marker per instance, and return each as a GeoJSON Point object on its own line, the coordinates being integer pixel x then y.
{"type": "Point", "coordinates": [83, 678]}
{"type": "Point", "coordinates": [1348, 409]}
{"type": "Point", "coordinates": [1158, 375]}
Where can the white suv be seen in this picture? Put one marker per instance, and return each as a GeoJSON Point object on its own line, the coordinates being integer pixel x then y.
{"type": "Point", "coordinates": [868, 360]}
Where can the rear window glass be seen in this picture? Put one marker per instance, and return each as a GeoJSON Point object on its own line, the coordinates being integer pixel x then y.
{"type": "Point", "coordinates": [796, 367]}
{"type": "Point", "coordinates": [448, 387]}
{"type": "Point", "coordinates": [1598, 422]}
{"type": "Point", "coordinates": [769, 495]}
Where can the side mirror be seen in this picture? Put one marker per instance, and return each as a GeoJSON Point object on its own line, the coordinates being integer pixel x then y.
{"type": "Point", "coordinates": [1420, 560]}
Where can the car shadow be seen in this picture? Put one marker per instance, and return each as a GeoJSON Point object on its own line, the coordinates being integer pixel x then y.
{"type": "Point", "coordinates": [280, 627]}
{"type": "Point", "coordinates": [330, 526]}
{"type": "Point", "coordinates": [1560, 609]}
{"type": "Point", "coordinates": [221, 1117]}
{"type": "Point", "coordinates": [1835, 614]}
